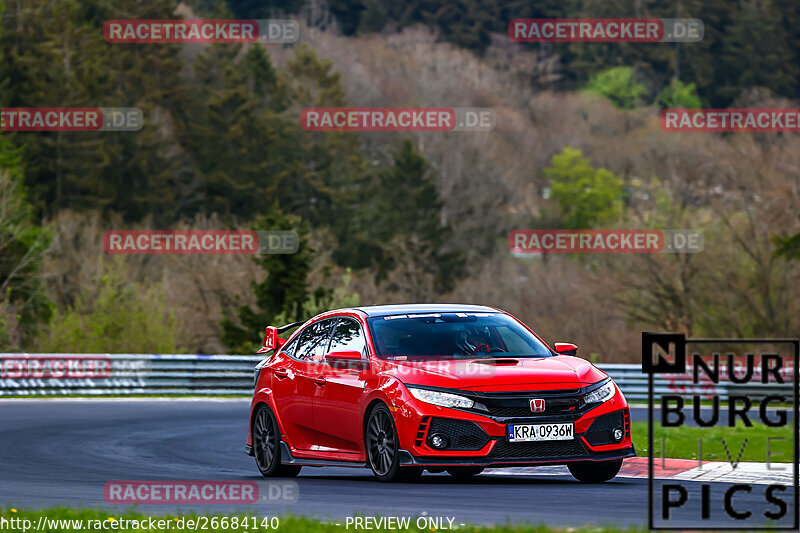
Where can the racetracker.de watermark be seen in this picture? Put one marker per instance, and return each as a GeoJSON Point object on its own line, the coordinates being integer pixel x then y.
{"type": "Point", "coordinates": [731, 120]}
{"type": "Point", "coordinates": [71, 119]}
{"type": "Point", "coordinates": [54, 366]}
{"type": "Point", "coordinates": [610, 30]}
{"type": "Point", "coordinates": [397, 119]}
{"type": "Point", "coordinates": [193, 242]}
{"type": "Point", "coordinates": [201, 31]}
{"type": "Point", "coordinates": [407, 367]}
{"type": "Point", "coordinates": [200, 492]}
{"type": "Point", "coordinates": [532, 241]}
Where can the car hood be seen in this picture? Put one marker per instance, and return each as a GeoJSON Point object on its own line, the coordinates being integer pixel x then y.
{"type": "Point", "coordinates": [487, 375]}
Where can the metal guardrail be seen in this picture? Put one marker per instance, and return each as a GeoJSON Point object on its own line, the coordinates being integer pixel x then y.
{"type": "Point", "coordinates": [133, 374]}
{"type": "Point", "coordinates": [190, 375]}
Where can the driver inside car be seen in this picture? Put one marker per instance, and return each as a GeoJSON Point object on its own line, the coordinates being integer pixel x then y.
{"type": "Point", "coordinates": [472, 341]}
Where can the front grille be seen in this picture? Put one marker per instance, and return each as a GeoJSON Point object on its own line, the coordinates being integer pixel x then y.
{"type": "Point", "coordinates": [525, 411]}
{"type": "Point", "coordinates": [462, 435]}
{"type": "Point", "coordinates": [512, 450]}
{"type": "Point", "coordinates": [600, 432]}
{"type": "Point", "coordinates": [557, 403]}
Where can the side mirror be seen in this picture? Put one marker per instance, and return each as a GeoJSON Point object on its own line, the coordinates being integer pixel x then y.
{"type": "Point", "coordinates": [565, 348]}
{"type": "Point", "coordinates": [346, 359]}
{"type": "Point", "coordinates": [271, 340]}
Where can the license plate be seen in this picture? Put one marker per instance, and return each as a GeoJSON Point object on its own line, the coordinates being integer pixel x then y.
{"type": "Point", "coordinates": [536, 432]}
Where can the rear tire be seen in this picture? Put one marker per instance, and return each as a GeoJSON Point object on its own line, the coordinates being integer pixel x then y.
{"type": "Point", "coordinates": [266, 446]}
{"type": "Point", "coordinates": [463, 473]}
{"type": "Point", "coordinates": [382, 446]}
{"type": "Point", "coordinates": [595, 472]}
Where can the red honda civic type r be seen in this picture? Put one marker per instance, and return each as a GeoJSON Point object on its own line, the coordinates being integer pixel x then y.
{"type": "Point", "coordinates": [455, 388]}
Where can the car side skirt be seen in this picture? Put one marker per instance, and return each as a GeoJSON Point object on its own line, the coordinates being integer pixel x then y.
{"type": "Point", "coordinates": [288, 459]}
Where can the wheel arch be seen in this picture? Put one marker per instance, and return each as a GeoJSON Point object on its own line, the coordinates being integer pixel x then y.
{"type": "Point", "coordinates": [373, 403]}
{"type": "Point", "coordinates": [263, 397]}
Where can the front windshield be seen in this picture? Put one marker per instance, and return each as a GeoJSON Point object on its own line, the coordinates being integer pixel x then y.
{"type": "Point", "coordinates": [456, 335]}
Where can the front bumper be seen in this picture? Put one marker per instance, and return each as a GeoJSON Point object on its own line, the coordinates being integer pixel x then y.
{"type": "Point", "coordinates": [481, 439]}
{"type": "Point", "coordinates": [406, 459]}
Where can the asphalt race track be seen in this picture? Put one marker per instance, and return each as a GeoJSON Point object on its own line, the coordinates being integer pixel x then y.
{"type": "Point", "coordinates": [63, 452]}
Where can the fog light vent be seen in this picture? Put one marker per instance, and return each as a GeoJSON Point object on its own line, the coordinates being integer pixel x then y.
{"type": "Point", "coordinates": [438, 441]}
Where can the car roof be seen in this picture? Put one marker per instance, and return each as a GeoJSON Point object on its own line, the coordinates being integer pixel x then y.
{"type": "Point", "coordinates": [400, 309]}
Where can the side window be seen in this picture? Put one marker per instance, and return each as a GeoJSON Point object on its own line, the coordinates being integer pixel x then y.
{"type": "Point", "coordinates": [288, 349]}
{"type": "Point", "coordinates": [348, 336]}
{"type": "Point", "coordinates": [314, 341]}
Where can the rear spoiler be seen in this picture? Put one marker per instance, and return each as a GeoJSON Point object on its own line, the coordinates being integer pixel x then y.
{"type": "Point", "coordinates": [271, 339]}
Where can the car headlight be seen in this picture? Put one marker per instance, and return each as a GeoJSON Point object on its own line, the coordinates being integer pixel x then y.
{"type": "Point", "coordinates": [445, 399]}
{"type": "Point", "coordinates": [600, 394]}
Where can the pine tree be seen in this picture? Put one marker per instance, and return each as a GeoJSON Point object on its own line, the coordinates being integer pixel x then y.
{"type": "Point", "coordinates": [411, 208]}
{"type": "Point", "coordinates": [282, 292]}
{"type": "Point", "coordinates": [150, 173]}
{"type": "Point", "coordinates": [331, 166]}
{"type": "Point", "coordinates": [234, 136]}
{"type": "Point", "coordinates": [756, 52]}
{"type": "Point", "coordinates": [57, 57]}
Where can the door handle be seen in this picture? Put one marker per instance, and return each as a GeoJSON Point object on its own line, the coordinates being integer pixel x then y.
{"type": "Point", "coordinates": [319, 380]}
{"type": "Point", "coordinates": [280, 373]}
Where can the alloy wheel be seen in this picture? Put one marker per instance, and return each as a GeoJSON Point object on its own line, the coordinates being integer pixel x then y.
{"type": "Point", "coordinates": [382, 441]}
{"type": "Point", "coordinates": [264, 440]}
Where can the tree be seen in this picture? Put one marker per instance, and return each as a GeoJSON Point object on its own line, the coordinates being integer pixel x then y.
{"type": "Point", "coordinates": [56, 60]}
{"type": "Point", "coordinates": [55, 54]}
{"type": "Point", "coordinates": [747, 43]}
{"type": "Point", "coordinates": [282, 292]}
{"type": "Point", "coordinates": [23, 303]}
{"type": "Point", "coordinates": [787, 247]}
{"type": "Point", "coordinates": [283, 296]}
{"type": "Point", "coordinates": [329, 177]}
{"type": "Point", "coordinates": [149, 173]}
{"type": "Point", "coordinates": [409, 219]}
{"type": "Point", "coordinates": [678, 95]}
{"type": "Point", "coordinates": [587, 196]}
{"type": "Point", "coordinates": [756, 52]}
{"type": "Point", "coordinates": [241, 147]}
{"type": "Point", "coordinates": [241, 127]}
{"type": "Point", "coordinates": [664, 290]}
{"type": "Point", "coordinates": [320, 301]}
{"type": "Point", "coordinates": [119, 317]}
{"type": "Point", "coordinates": [617, 85]}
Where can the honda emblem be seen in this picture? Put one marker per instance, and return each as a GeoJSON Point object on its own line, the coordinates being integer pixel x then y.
{"type": "Point", "coordinates": [537, 405]}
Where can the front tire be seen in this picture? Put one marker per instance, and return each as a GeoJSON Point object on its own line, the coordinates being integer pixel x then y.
{"type": "Point", "coordinates": [595, 472]}
{"type": "Point", "coordinates": [382, 445]}
{"type": "Point", "coordinates": [266, 446]}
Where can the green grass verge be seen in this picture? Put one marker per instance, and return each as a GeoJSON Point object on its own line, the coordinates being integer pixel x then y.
{"type": "Point", "coordinates": [64, 520]}
{"type": "Point", "coordinates": [682, 442]}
